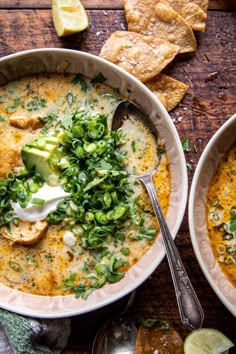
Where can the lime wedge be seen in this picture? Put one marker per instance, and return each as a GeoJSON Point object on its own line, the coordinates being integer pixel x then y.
{"type": "Point", "coordinates": [207, 341]}
{"type": "Point", "coordinates": [69, 16]}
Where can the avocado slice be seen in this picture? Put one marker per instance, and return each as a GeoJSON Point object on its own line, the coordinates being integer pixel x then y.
{"type": "Point", "coordinates": [39, 155]}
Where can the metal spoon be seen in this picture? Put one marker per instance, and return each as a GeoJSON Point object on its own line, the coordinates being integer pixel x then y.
{"type": "Point", "coordinates": [190, 309]}
{"type": "Point", "coordinates": [118, 335]}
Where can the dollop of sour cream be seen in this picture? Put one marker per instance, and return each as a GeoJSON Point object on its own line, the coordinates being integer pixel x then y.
{"type": "Point", "coordinates": [51, 196]}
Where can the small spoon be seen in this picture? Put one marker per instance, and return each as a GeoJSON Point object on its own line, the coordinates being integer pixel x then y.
{"type": "Point", "coordinates": [190, 309]}
{"type": "Point", "coordinates": [117, 335]}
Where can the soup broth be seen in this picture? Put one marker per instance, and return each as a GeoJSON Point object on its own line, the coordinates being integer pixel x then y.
{"type": "Point", "coordinates": [221, 214]}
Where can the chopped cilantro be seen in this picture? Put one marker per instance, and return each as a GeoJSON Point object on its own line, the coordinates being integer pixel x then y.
{"type": "Point", "coordinates": [48, 121]}
{"type": "Point", "coordinates": [35, 104]}
{"type": "Point", "coordinates": [133, 145]}
{"type": "Point", "coordinates": [155, 323]}
{"type": "Point", "coordinates": [99, 78]}
{"type": "Point", "coordinates": [79, 80]}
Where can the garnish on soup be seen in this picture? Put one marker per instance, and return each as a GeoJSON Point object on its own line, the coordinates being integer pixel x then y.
{"type": "Point", "coordinates": [71, 218]}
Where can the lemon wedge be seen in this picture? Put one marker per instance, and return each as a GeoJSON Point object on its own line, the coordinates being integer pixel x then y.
{"type": "Point", "coordinates": [69, 16]}
{"type": "Point", "coordinates": [207, 341]}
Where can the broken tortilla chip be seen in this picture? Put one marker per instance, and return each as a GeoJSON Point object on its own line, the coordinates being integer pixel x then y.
{"type": "Point", "coordinates": [142, 56]}
{"type": "Point", "coordinates": [157, 19]}
{"type": "Point", "coordinates": [158, 340]}
{"type": "Point", "coordinates": [194, 12]}
{"type": "Point", "coordinates": [168, 90]}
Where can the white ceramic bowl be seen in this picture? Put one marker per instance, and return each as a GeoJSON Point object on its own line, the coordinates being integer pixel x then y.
{"type": "Point", "coordinates": [17, 65]}
{"type": "Point", "coordinates": [217, 146]}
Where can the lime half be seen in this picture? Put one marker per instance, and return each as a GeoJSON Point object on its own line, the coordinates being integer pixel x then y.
{"type": "Point", "coordinates": [207, 341]}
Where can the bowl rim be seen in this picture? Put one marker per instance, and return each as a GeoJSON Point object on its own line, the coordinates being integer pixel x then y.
{"type": "Point", "coordinates": [184, 195]}
{"type": "Point", "coordinates": [210, 145]}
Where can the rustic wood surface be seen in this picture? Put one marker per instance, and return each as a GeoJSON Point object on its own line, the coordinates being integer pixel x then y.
{"type": "Point", "coordinates": [100, 4]}
{"type": "Point", "coordinates": [211, 100]}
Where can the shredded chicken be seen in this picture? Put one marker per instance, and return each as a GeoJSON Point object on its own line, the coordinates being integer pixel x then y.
{"type": "Point", "coordinates": [26, 233]}
{"type": "Point", "coordinates": [25, 122]}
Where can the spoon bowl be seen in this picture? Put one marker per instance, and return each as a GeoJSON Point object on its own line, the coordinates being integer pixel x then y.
{"type": "Point", "coordinates": [117, 335]}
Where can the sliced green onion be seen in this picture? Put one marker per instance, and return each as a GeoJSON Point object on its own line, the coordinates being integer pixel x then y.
{"type": "Point", "coordinates": [89, 216]}
{"type": "Point", "coordinates": [101, 268]}
{"type": "Point", "coordinates": [90, 148]}
{"type": "Point", "coordinates": [114, 197]}
{"type": "Point", "coordinates": [125, 251]}
{"type": "Point", "coordinates": [101, 217]}
{"type": "Point", "coordinates": [33, 187]}
{"type": "Point", "coordinates": [15, 266]}
{"type": "Point", "coordinates": [118, 212]}
{"type": "Point", "coordinates": [78, 230]}
{"type": "Point", "coordinates": [107, 199]}
{"type": "Point", "coordinates": [38, 201]}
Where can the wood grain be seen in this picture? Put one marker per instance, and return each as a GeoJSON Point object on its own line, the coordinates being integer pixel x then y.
{"type": "Point", "coordinates": [100, 4]}
{"type": "Point", "coordinates": [211, 100]}
{"type": "Point", "coordinates": [209, 72]}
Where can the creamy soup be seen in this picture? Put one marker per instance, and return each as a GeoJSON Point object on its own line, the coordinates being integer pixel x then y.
{"type": "Point", "coordinates": [221, 214]}
{"type": "Point", "coordinates": [71, 218]}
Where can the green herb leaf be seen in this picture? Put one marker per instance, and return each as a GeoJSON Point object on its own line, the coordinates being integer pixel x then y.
{"type": "Point", "coordinates": [69, 282]}
{"type": "Point", "coordinates": [185, 144]}
{"type": "Point", "coordinates": [232, 225]}
{"type": "Point", "coordinates": [36, 103]}
{"type": "Point", "coordinates": [79, 80]}
{"type": "Point", "coordinates": [155, 323]}
{"type": "Point", "coordinates": [99, 78]}
{"type": "Point", "coordinates": [49, 121]}
{"type": "Point", "coordinates": [67, 121]}
{"type": "Point", "coordinates": [133, 145]}
{"type": "Point", "coordinates": [38, 201]}
{"type": "Point", "coordinates": [125, 251]}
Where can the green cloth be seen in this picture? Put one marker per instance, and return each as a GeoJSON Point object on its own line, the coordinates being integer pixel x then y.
{"type": "Point", "coordinates": [23, 335]}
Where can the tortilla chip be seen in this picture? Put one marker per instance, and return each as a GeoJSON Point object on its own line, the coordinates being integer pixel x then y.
{"type": "Point", "coordinates": [179, 4]}
{"type": "Point", "coordinates": [157, 19]}
{"type": "Point", "coordinates": [142, 56]}
{"type": "Point", "coordinates": [195, 17]}
{"type": "Point", "coordinates": [168, 90]}
{"type": "Point", "coordinates": [158, 340]}
{"type": "Point", "coordinates": [194, 12]}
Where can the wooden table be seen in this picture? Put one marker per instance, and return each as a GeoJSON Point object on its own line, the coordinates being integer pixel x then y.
{"type": "Point", "coordinates": [211, 100]}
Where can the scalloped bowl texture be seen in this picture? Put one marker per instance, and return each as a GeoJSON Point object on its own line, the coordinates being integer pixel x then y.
{"type": "Point", "coordinates": [54, 60]}
{"type": "Point", "coordinates": [213, 153]}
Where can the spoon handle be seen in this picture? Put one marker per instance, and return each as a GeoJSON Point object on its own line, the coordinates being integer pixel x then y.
{"type": "Point", "coordinates": [191, 312]}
